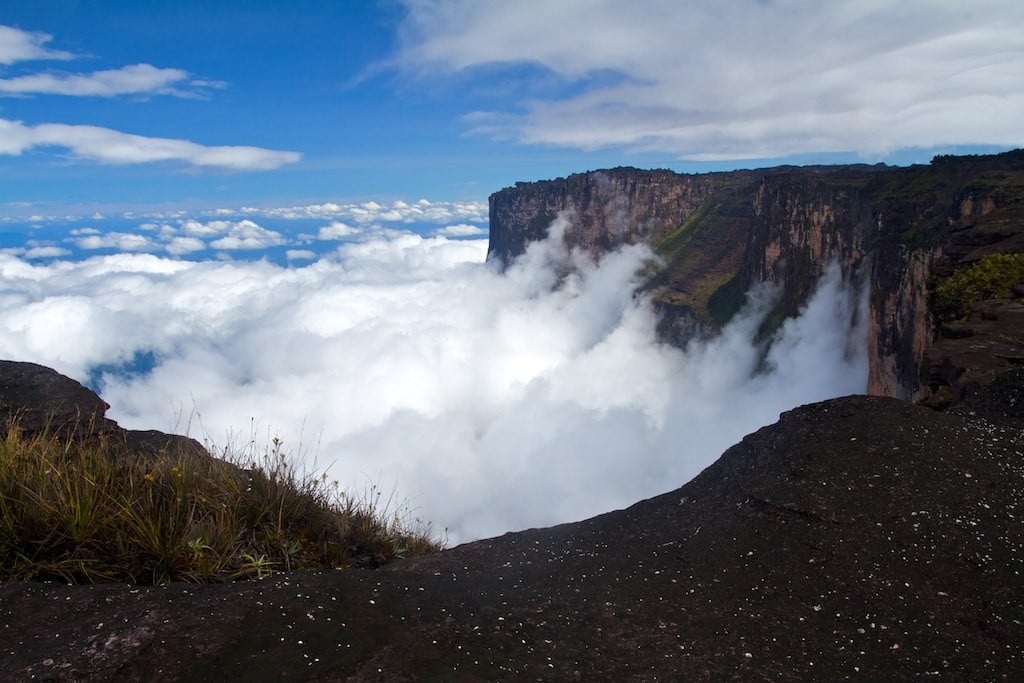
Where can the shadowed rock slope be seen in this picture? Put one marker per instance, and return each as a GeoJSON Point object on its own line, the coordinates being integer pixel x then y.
{"type": "Point", "coordinates": [39, 399]}
{"type": "Point", "coordinates": [861, 538]}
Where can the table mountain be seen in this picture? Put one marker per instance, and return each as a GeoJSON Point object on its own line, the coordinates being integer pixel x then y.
{"type": "Point", "coordinates": [896, 230]}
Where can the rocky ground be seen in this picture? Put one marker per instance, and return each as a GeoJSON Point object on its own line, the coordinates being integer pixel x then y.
{"type": "Point", "coordinates": [968, 354]}
{"type": "Point", "coordinates": [860, 538]}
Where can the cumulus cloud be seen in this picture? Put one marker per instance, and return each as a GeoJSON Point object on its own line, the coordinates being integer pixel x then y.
{"type": "Point", "coordinates": [179, 246]}
{"type": "Point", "coordinates": [122, 241]}
{"type": "Point", "coordinates": [17, 45]}
{"type": "Point", "coordinates": [128, 80]}
{"type": "Point", "coordinates": [46, 252]}
{"type": "Point", "coordinates": [114, 147]}
{"type": "Point", "coordinates": [461, 230]}
{"type": "Point", "coordinates": [246, 234]}
{"type": "Point", "coordinates": [398, 211]}
{"type": "Point", "coordinates": [300, 255]}
{"type": "Point", "coordinates": [194, 227]}
{"type": "Point", "coordinates": [337, 231]}
{"type": "Point", "coordinates": [493, 401]}
{"type": "Point", "coordinates": [186, 234]}
{"type": "Point", "coordinates": [746, 80]}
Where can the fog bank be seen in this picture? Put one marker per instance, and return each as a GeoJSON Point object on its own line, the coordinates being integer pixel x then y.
{"type": "Point", "coordinates": [489, 401]}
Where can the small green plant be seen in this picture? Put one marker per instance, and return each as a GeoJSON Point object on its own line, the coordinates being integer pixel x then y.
{"type": "Point", "coordinates": [260, 567]}
{"type": "Point", "coordinates": [90, 511]}
{"type": "Point", "coordinates": [991, 277]}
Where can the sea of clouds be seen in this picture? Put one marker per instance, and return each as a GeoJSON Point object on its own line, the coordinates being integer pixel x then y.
{"type": "Point", "coordinates": [489, 401]}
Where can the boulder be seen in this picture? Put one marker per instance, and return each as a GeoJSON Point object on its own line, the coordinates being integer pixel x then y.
{"type": "Point", "coordinates": [39, 400]}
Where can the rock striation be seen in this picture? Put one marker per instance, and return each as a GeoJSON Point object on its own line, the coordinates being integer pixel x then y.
{"type": "Point", "coordinates": [891, 229]}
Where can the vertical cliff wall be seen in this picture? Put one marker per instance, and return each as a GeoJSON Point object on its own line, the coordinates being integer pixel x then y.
{"type": "Point", "coordinates": [892, 229]}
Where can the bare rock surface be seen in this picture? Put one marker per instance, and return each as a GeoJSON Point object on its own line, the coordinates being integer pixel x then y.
{"type": "Point", "coordinates": [861, 538]}
{"type": "Point", "coordinates": [972, 353]}
{"type": "Point", "coordinates": [39, 399]}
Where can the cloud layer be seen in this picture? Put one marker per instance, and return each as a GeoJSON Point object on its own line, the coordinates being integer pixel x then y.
{"type": "Point", "coordinates": [19, 46]}
{"type": "Point", "coordinates": [240, 233]}
{"type": "Point", "coordinates": [491, 401]}
{"type": "Point", "coordinates": [128, 80]}
{"type": "Point", "coordinates": [114, 147]}
{"type": "Point", "coordinates": [104, 145]}
{"type": "Point", "coordinates": [744, 80]}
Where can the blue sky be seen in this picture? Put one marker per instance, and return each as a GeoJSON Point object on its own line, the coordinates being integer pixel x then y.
{"type": "Point", "coordinates": [315, 78]}
{"type": "Point", "coordinates": [451, 100]}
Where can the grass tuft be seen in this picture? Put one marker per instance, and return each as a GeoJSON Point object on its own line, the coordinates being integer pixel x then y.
{"type": "Point", "coordinates": [88, 511]}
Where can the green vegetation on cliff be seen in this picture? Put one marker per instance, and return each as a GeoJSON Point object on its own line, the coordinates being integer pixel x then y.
{"type": "Point", "coordinates": [87, 511]}
{"type": "Point", "coordinates": [992, 277]}
{"type": "Point", "coordinates": [702, 257]}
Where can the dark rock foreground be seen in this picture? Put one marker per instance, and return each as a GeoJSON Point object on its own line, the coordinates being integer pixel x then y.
{"type": "Point", "coordinates": [39, 399]}
{"type": "Point", "coordinates": [861, 538]}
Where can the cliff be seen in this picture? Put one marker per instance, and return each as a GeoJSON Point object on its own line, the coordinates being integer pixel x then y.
{"type": "Point", "coordinates": [898, 230]}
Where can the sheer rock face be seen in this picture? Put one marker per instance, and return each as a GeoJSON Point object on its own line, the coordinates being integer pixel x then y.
{"type": "Point", "coordinates": [890, 229]}
{"type": "Point", "coordinates": [608, 208]}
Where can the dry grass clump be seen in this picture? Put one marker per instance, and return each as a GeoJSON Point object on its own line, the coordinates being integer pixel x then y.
{"type": "Point", "coordinates": [91, 511]}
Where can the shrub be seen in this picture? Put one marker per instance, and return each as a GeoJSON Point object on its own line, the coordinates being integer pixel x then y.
{"type": "Point", "coordinates": [992, 277]}
{"type": "Point", "coordinates": [90, 511]}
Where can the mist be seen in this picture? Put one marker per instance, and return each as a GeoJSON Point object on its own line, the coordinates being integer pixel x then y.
{"type": "Point", "coordinates": [487, 401]}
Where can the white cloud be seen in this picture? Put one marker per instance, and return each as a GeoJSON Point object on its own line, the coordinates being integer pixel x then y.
{"type": "Point", "coordinates": [179, 246]}
{"type": "Point", "coordinates": [744, 80]}
{"type": "Point", "coordinates": [114, 147]}
{"type": "Point", "coordinates": [399, 211]}
{"type": "Point", "coordinates": [461, 230]}
{"type": "Point", "coordinates": [336, 231]}
{"type": "Point", "coordinates": [492, 401]}
{"type": "Point", "coordinates": [300, 255]}
{"type": "Point", "coordinates": [46, 252]}
{"type": "Point", "coordinates": [128, 80]}
{"type": "Point", "coordinates": [122, 241]}
{"type": "Point", "coordinates": [194, 227]}
{"type": "Point", "coordinates": [19, 46]}
{"type": "Point", "coordinates": [246, 234]}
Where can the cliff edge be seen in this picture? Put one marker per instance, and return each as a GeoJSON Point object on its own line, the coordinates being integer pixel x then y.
{"type": "Point", "coordinates": [860, 538]}
{"type": "Point", "coordinates": [897, 230]}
